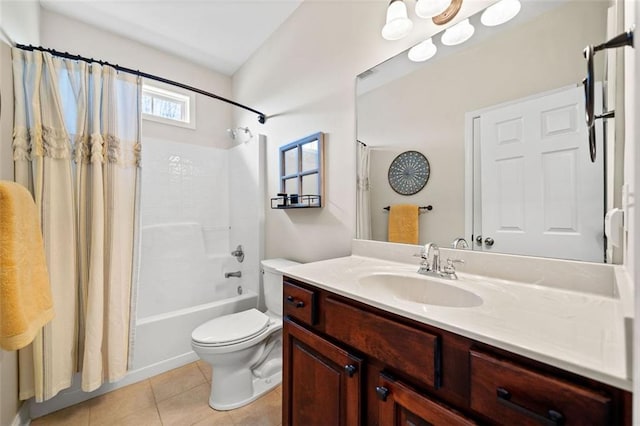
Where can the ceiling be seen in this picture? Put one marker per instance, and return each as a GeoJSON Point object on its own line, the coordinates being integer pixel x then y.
{"type": "Point", "coordinates": [219, 34]}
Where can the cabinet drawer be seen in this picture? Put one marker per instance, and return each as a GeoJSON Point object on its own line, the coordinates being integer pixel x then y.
{"type": "Point", "coordinates": [299, 303]}
{"type": "Point", "coordinates": [403, 348]}
{"type": "Point", "coordinates": [513, 394]}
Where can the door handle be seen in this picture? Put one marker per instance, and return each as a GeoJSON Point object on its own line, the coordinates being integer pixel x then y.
{"type": "Point", "coordinates": [489, 241]}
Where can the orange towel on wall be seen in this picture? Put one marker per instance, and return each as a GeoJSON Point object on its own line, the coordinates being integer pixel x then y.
{"type": "Point", "coordinates": [403, 223]}
{"type": "Point", "coordinates": [25, 293]}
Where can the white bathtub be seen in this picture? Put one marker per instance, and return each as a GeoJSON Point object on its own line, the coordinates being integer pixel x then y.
{"type": "Point", "coordinates": [166, 338]}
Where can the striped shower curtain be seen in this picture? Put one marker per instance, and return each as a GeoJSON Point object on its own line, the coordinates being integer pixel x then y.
{"type": "Point", "coordinates": [77, 148]}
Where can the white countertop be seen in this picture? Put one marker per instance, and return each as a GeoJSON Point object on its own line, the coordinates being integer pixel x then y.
{"type": "Point", "coordinates": [581, 332]}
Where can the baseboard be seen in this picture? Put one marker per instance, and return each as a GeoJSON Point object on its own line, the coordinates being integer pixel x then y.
{"type": "Point", "coordinates": [74, 395]}
{"type": "Point", "coordinates": [22, 417]}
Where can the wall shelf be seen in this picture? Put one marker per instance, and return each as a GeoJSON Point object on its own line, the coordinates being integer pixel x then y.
{"type": "Point", "coordinates": [304, 202]}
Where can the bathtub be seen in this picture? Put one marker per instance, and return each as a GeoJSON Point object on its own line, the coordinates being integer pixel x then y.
{"type": "Point", "coordinates": [163, 341]}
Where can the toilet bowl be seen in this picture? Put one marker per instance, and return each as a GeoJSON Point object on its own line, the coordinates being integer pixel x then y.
{"type": "Point", "coordinates": [244, 349]}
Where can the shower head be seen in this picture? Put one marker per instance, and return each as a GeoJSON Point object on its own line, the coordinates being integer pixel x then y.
{"type": "Point", "coordinates": [241, 133]}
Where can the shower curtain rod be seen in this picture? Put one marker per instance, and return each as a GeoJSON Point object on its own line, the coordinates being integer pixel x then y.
{"type": "Point", "coordinates": [261, 116]}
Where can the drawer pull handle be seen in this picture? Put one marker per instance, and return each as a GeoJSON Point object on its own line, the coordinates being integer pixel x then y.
{"type": "Point", "coordinates": [350, 369]}
{"type": "Point", "coordinates": [382, 393]}
{"type": "Point", "coordinates": [294, 302]}
{"type": "Point", "coordinates": [553, 417]}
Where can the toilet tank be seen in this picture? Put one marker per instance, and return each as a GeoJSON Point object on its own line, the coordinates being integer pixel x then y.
{"type": "Point", "coordinates": [272, 280]}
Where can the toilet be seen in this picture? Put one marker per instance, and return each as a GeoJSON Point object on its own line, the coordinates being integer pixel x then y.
{"type": "Point", "coordinates": [244, 349]}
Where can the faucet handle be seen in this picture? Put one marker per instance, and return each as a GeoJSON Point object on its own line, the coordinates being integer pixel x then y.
{"type": "Point", "coordinates": [450, 269]}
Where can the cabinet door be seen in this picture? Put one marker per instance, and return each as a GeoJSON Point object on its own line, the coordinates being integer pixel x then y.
{"type": "Point", "coordinates": [321, 381]}
{"type": "Point", "coordinates": [399, 404]}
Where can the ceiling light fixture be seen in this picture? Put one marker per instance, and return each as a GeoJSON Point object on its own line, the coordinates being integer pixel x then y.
{"type": "Point", "coordinates": [398, 25]}
{"type": "Point", "coordinates": [500, 12]}
{"type": "Point", "coordinates": [431, 8]}
{"type": "Point", "coordinates": [422, 51]}
{"type": "Point", "coordinates": [457, 34]}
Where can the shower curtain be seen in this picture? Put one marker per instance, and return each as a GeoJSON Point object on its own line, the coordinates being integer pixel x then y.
{"type": "Point", "coordinates": [77, 148]}
{"type": "Point", "coordinates": [363, 194]}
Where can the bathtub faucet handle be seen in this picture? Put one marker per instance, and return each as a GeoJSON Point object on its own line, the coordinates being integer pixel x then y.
{"type": "Point", "coordinates": [238, 253]}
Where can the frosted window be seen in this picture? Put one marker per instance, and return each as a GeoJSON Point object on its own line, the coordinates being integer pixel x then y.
{"type": "Point", "coordinates": [166, 106]}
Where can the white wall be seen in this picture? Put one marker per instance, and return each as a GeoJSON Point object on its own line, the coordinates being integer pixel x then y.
{"type": "Point", "coordinates": [425, 110]}
{"type": "Point", "coordinates": [20, 21]}
{"type": "Point", "coordinates": [304, 78]}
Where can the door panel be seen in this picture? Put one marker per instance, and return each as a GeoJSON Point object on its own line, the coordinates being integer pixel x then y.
{"type": "Point", "coordinates": [541, 195]}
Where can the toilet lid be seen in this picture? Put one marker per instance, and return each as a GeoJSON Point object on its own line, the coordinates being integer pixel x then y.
{"type": "Point", "coordinates": [231, 328]}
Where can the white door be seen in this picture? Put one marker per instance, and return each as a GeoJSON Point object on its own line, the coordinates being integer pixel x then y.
{"type": "Point", "coordinates": [541, 194]}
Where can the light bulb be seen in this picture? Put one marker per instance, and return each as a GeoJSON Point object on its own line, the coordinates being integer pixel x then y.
{"type": "Point", "coordinates": [431, 8]}
{"type": "Point", "coordinates": [422, 51]}
{"type": "Point", "coordinates": [457, 34]}
{"type": "Point", "coordinates": [398, 24]}
{"type": "Point", "coordinates": [500, 12]}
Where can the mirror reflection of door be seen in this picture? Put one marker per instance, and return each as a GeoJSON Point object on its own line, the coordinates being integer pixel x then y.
{"type": "Point", "coordinates": [409, 106]}
{"type": "Point", "coordinates": [541, 195]}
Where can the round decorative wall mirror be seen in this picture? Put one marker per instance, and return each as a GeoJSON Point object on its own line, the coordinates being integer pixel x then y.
{"type": "Point", "coordinates": [409, 172]}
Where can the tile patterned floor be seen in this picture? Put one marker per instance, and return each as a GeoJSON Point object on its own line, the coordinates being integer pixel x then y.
{"type": "Point", "coordinates": [176, 398]}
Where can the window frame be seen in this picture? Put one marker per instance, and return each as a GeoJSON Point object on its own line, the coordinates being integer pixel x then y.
{"type": "Point", "coordinates": [162, 91]}
{"type": "Point", "coordinates": [299, 174]}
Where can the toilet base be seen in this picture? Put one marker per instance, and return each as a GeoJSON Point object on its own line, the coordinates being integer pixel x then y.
{"type": "Point", "coordinates": [260, 387]}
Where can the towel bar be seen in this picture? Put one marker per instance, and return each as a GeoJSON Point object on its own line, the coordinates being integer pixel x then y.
{"type": "Point", "coordinates": [421, 208]}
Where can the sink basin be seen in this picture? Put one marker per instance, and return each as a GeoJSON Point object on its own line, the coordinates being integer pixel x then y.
{"type": "Point", "coordinates": [419, 289]}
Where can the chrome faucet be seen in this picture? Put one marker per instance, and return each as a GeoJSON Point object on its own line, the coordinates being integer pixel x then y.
{"type": "Point", "coordinates": [432, 267]}
{"type": "Point", "coordinates": [428, 267]}
{"type": "Point", "coordinates": [236, 274]}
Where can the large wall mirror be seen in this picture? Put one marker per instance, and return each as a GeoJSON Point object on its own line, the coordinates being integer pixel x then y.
{"type": "Point", "coordinates": [501, 120]}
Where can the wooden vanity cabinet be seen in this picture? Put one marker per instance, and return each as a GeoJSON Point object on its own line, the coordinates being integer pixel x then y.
{"type": "Point", "coordinates": [348, 363]}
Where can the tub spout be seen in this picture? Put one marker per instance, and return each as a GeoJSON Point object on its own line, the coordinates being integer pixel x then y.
{"type": "Point", "coordinates": [236, 274]}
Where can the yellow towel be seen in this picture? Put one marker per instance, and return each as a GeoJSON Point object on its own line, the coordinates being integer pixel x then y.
{"type": "Point", "coordinates": [25, 293]}
{"type": "Point", "coordinates": [403, 223]}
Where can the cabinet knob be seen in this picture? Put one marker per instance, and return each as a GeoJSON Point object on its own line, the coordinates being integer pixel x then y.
{"type": "Point", "coordinates": [382, 393]}
{"type": "Point", "coordinates": [479, 239]}
{"type": "Point", "coordinates": [294, 302]}
{"type": "Point", "coordinates": [488, 241]}
{"type": "Point", "coordinates": [350, 369]}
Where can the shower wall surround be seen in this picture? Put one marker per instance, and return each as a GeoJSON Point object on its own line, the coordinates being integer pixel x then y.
{"type": "Point", "coordinates": [185, 226]}
{"type": "Point", "coordinates": [185, 183]}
